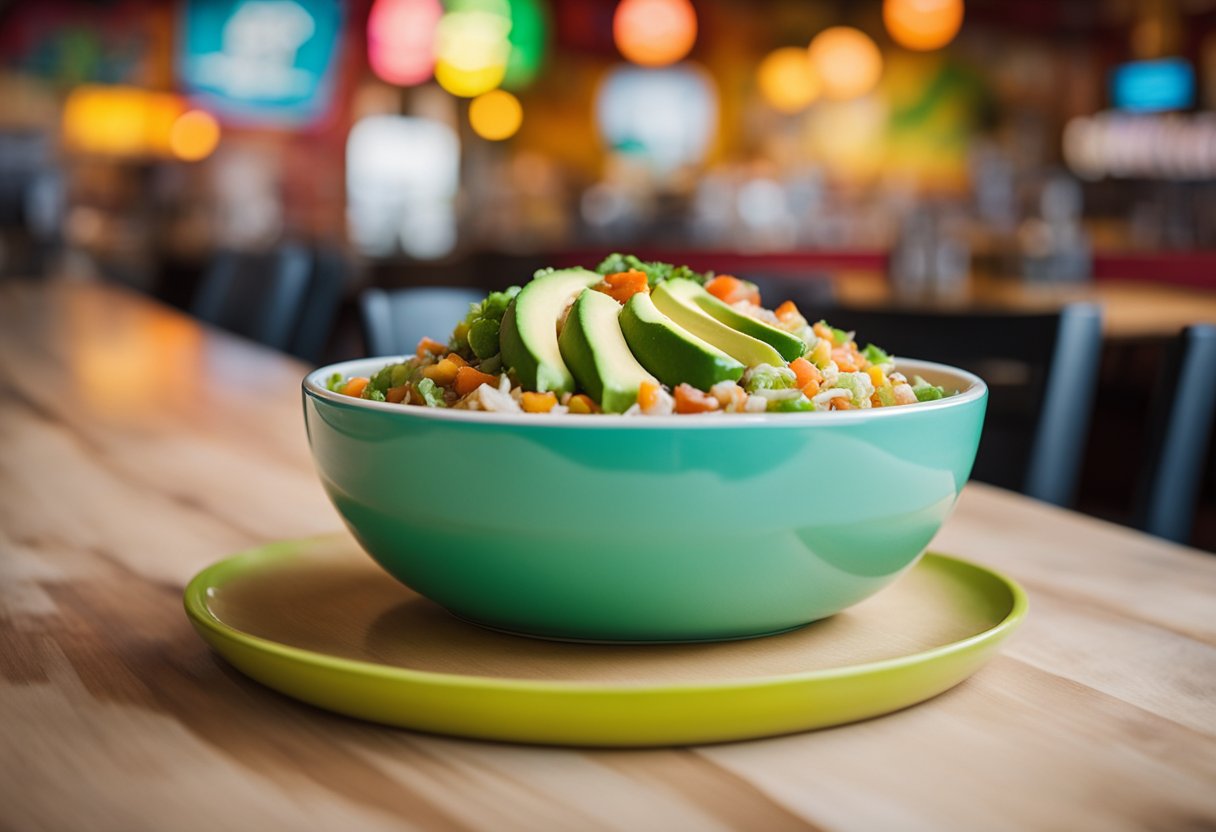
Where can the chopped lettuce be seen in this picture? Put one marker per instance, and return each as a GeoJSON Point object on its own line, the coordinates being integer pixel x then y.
{"type": "Point", "coordinates": [926, 392]}
{"type": "Point", "coordinates": [372, 393]}
{"type": "Point", "coordinates": [334, 383]}
{"type": "Point", "coordinates": [655, 273]}
{"type": "Point", "coordinates": [860, 388]}
{"type": "Point", "coordinates": [431, 393]}
{"type": "Point", "coordinates": [875, 355]}
{"type": "Point", "coordinates": [768, 377]}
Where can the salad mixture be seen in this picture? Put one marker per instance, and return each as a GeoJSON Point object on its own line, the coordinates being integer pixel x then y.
{"type": "Point", "coordinates": [638, 338]}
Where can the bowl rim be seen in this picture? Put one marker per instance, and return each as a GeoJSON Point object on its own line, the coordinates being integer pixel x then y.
{"type": "Point", "coordinates": [313, 385]}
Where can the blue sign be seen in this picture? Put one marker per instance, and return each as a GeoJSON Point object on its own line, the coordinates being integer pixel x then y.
{"type": "Point", "coordinates": [260, 61]}
{"type": "Point", "coordinates": [1153, 86]}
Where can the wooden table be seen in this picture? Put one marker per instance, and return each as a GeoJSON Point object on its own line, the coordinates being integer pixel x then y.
{"type": "Point", "coordinates": [136, 447]}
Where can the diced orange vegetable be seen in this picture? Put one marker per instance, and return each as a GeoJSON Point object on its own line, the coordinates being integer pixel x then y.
{"type": "Point", "coordinates": [582, 404]}
{"type": "Point", "coordinates": [807, 375]}
{"type": "Point", "coordinates": [730, 289]}
{"type": "Point", "coordinates": [355, 386]}
{"type": "Point", "coordinates": [786, 311]}
{"type": "Point", "coordinates": [468, 380]}
{"type": "Point", "coordinates": [621, 286]}
{"type": "Point", "coordinates": [539, 402]}
{"type": "Point", "coordinates": [824, 331]}
{"type": "Point", "coordinates": [442, 373]}
{"type": "Point", "coordinates": [805, 372]}
{"type": "Point", "coordinates": [648, 394]}
{"type": "Point", "coordinates": [691, 400]}
{"type": "Point", "coordinates": [846, 359]}
{"type": "Point", "coordinates": [877, 376]}
{"type": "Point", "coordinates": [456, 359]}
{"type": "Point", "coordinates": [841, 403]}
{"type": "Point", "coordinates": [431, 346]}
{"type": "Point", "coordinates": [396, 395]}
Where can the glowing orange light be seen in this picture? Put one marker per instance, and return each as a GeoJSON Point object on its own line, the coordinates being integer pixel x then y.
{"type": "Point", "coordinates": [119, 121]}
{"type": "Point", "coordinates": [401, 40]}
{"type": "Point", "coordinates": [472, 51]}
{"type": "Point", "coordinates": [787, 80]}
{"type": "Point", "coordinates": [496, 115]}
{"type": "Point", "coordinates": [847, 62]}
{"type": "Point", "coordinates": [194, 136]}
{"type": "Point", "coordinates": [922, 24]}
{"type": "Point", "coordinates": [654, 32]}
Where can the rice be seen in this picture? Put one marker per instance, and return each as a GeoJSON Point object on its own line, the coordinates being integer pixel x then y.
{"type": "Point", "coordinates": [824, 398]}
{"type": "Point", "coordinates": [497, 400]}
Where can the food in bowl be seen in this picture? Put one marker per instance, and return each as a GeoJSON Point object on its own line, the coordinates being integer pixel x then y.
{"type": "Point", "coordinates": [640, 339]}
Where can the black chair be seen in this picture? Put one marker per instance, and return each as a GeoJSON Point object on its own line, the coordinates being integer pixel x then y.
{"type": "Point", "coordinates": [259, 296]}
{"type": "Point", "coordinates": [1041, 371]}
{"type": "Point", "coordinates": [395, 321]}
{"type": "Point", "coordinates": [319, 309]}
{"type": "Point", "coordinates": [1180, 427]}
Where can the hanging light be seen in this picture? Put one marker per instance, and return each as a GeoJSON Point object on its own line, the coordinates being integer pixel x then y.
{"type": "Point", "coordinates": [495, 115]}
{"type": "Point", "coordinates": [654, 32]}
{"type": "Point", "coordinates": [922, 25]}
{"type": "Point", "coordinates": [401, 40]}
{"type": "Point", "coordinates": [527, 41]}
{"type": "Point", "coordinates": [472, 51]}
{"type": "Point", "coordinates": [194, 136]}
{"type": "Point", "coordinates": [846, 61]}
{"type": "Point", "coordinates": [787, 80]}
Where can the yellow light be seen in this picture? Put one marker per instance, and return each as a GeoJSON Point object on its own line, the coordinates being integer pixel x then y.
{"type": "Point", "coordinates": [787, 80]}
{"type": "Point", "coordinates": [922, 24]}
{"type": "Point", "coordinates": [654, 32]}
{"type": "Point", "coordinates": [194, 136]}
{"type": "Point", "coordinates": [119, 121]}
{"type": "Point", "coordinates": [846, 61]}
{"type": "Point", "coordinates": [496, 115]}
{"type": "Point", "coordinates": [471, 52]}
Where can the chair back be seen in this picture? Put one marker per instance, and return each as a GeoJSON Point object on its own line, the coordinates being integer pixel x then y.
{"type": "Point", "coordinates": [1180, 428]}
{"type": "Point", "coordinates": [258, 296]}
{"type": "Point", "coordinates": [394, 321]}
{"type": "Point", "coordinates": [1041, 371]}
{"type": "Point", "coordinates": [326, 288]}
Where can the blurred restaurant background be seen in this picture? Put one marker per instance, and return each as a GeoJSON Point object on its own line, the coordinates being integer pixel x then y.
{"type": "Point", "coordinates": [1031, 183]}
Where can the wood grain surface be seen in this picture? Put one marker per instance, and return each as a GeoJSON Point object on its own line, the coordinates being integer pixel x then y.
{"type": "Point", "coordinates": [136, 447]}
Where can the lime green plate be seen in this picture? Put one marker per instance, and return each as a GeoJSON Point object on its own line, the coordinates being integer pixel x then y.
{"type": "Point", "coordinates": [319, 621]}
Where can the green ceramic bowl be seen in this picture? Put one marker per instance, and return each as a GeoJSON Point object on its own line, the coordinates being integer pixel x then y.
{"type": "Point", "coordinates": [674, 528]}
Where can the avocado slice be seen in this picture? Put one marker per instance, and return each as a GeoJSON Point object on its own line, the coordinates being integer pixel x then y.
{"type": "Point", "coordinates": [596, 353]}
{"type": "Point", "coordinates": [677, 303]}
{"type": "Point", "coordinates": [528, 334]}
{"type": "Point", "coordinates": [789, 345]}
{"type": "Point", "coordinates": [672, 353]}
